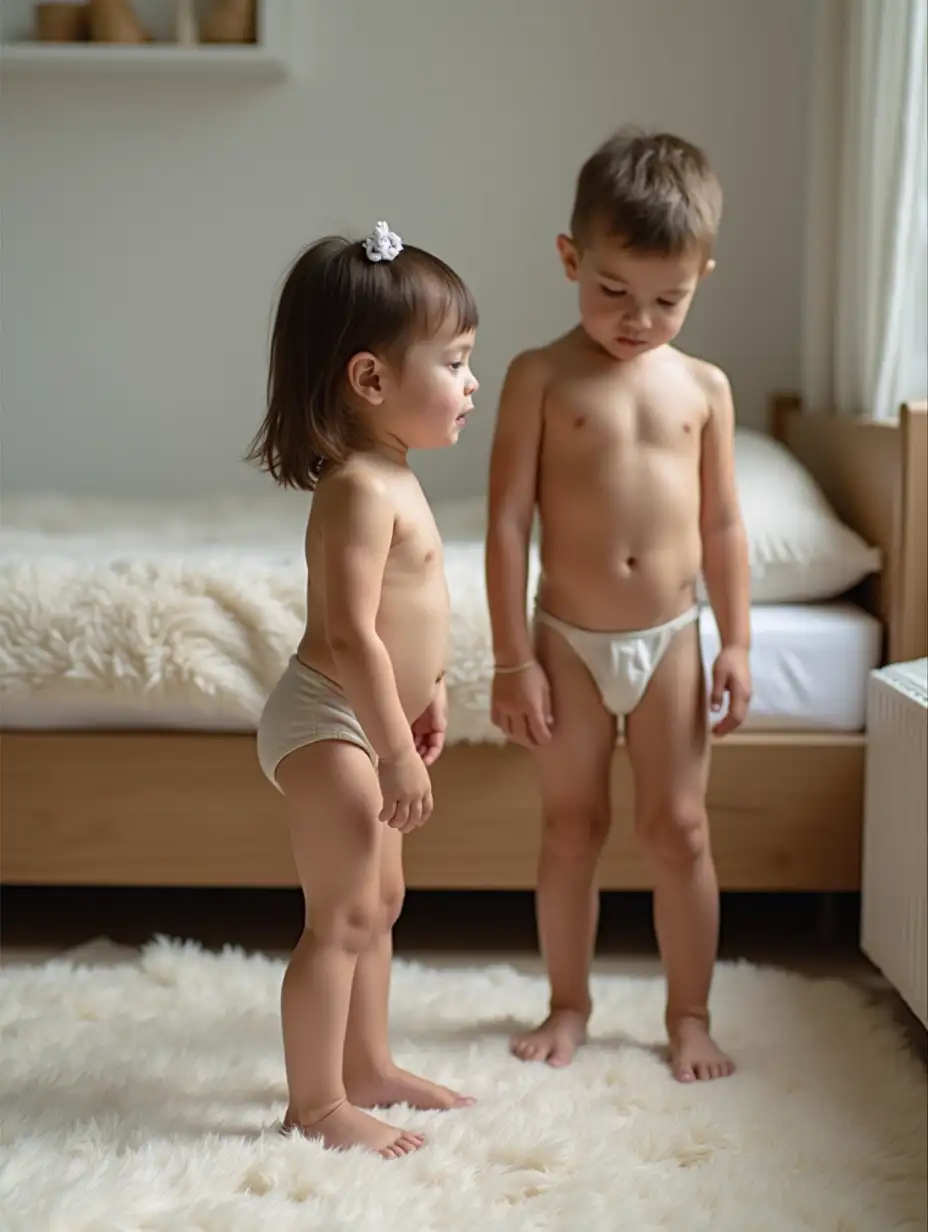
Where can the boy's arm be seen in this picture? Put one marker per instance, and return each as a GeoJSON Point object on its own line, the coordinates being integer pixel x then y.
{"type": "Point", "coordinates": [725, 555]}
{"type": "Point", "coordinates": [359, 530]}
{"type": "Point", "coordinates": [513, 480]}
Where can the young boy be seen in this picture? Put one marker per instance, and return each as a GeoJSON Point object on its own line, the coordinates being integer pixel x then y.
{"type": "Point", "coordinates": [625, 445]}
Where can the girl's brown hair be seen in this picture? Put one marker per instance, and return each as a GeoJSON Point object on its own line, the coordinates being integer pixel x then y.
{"type": "Point", "coordinates": [334, 304]}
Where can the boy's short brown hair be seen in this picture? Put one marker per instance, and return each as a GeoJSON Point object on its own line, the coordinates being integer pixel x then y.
{"type": "Point", "coordinates": [655, 192]}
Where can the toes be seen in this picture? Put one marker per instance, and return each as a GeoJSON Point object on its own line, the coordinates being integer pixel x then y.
{"type": "Point", "coordinates": [561, 1055]}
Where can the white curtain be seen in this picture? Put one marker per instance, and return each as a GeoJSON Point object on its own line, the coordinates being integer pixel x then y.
{"type": "Point", "coordinates": [865, 304]}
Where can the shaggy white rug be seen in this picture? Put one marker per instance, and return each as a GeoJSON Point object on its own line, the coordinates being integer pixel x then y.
{"type": "Point", "coordinates": [144, 1096]}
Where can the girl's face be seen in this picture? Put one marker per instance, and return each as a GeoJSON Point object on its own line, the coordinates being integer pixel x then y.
{"type": "Point", "coordinates": [427, 401]}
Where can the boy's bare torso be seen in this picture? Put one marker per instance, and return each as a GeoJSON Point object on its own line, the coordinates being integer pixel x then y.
{"type": "Point", "coordinates": [413, 618]}
{"type": "Point", "coordinates": [619, 485]}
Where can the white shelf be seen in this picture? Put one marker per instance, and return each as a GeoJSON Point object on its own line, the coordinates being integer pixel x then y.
{"type": "Point", "coordinates": [268, 57]}
{"type": "Point", "coordinates": [254, 60]}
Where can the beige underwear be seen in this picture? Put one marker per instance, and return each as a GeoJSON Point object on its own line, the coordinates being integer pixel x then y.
{"type": "Point", "coordinates": [621, 664]}
{"type": "Point", "coordinates": [304, 708]}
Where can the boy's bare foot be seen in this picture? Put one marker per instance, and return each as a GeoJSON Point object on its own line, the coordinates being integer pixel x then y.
{"type": "Point", "coordinates": [346, 1126]}
{"type": "Point", "coordinates": [398, 1086]}
{"type": "Point", "coordinates": [555, 1041]}
{"type": "Point", "coordinates": [694, 1055]}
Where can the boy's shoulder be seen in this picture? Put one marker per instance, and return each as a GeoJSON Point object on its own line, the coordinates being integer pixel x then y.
{"type": "Point", "coordinates": [709, 377]}
{"type": "Point", "coordinates": [548, 360]}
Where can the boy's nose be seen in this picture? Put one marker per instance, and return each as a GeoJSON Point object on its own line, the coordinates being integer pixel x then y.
{"type": "Point", "coordinates": [472, 385]}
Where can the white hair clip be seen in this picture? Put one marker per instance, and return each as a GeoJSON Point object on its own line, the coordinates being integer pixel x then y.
{"type": "Point", "coordinates": [382, 244]}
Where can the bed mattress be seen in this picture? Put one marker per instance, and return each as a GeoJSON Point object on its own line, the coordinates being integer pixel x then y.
{"type": "Point", "coordinates": [810, 667]}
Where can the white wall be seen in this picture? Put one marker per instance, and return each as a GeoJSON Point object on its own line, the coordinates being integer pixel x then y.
{"type": "Point", "coordinates": [146, 222]}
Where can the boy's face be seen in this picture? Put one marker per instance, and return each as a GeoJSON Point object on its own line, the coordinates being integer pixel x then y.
{"type": "Point", "coordinates": [631, 302]}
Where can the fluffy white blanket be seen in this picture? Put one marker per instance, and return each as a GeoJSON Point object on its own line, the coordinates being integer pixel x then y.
{"type": "Point", "coordinates": [192, 608]}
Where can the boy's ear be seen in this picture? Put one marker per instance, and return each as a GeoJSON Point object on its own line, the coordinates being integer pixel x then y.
{"type": "Point", "coordinates": [365, 377]}
{"type": "Point", "coordinates": [570, 257]}
{"type": "Point", "coordinates": [708, 267]}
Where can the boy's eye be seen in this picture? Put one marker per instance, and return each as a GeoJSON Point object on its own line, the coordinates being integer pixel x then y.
{"type": "Point", "coordinates": [668, 303]}
{"type": "Point", "coordinates": [456, 365]}
{"type": "Point", "coordinates": [612, 292]}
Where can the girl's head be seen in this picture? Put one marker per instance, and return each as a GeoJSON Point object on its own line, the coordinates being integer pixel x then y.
{"type": "Point", "coordinates": [371, 348]}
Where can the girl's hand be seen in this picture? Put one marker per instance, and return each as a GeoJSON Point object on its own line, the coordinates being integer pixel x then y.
{"type": "Point", "coordinates": [406, 790]}
{"type": "Point", "coordinates": [429, 729]}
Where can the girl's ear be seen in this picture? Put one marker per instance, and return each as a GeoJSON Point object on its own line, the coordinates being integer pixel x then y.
{"type": "Point", "coordinates": [365, 377]}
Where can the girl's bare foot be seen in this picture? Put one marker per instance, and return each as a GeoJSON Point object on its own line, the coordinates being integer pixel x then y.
{"type": "Point", "coordinates": [694, 1055]}
{"type": "Point", "coordinates": [346, 1126]}
{"type": "Point", "coordinates": [555, 1041]}
{"type": "Point", "coordinates": [398, 1086]}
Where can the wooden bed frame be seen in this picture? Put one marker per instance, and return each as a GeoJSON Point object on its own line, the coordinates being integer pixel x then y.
{"type": "Point", "coordinates": [192, 809]}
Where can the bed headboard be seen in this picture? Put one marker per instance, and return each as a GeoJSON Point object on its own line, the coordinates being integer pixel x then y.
{"type": "Point", "coordinates": [875, 474]}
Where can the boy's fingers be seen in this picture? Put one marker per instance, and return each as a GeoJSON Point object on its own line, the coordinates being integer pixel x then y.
{"type": "Point", "coordinates": [538, 728]}
{"type": "Point", "coordinates": [719, 686]}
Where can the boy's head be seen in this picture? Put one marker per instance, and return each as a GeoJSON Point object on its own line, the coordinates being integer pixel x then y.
{"type": "Point", "coordinates": [371, 341]}
{"type": "Point", "coordinates": [645, 216]}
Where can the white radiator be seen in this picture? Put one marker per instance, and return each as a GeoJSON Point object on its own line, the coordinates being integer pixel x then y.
{"type": "Point", "coordinates": [894, 906]}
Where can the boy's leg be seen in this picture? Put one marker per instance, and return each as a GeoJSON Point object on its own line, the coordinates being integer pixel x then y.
{"type": "Point", "coordinates": [333, 801]}
{"type": "Point", "coordinates": [372, 1080]}
{"type": "Point", "coordinates": [669, 748]}
{"type": "Point", "coordinates": [574, 768]}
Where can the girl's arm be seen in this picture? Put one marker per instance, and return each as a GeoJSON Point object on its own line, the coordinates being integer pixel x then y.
{"type": "Point", "coordinates": [359, 529]}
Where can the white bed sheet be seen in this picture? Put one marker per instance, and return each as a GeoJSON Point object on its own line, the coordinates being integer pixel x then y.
{"type": "Point", "coordinates": [810, 665]}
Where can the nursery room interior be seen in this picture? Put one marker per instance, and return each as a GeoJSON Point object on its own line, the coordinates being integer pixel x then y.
{"type": "Point", "coordinates": [162, 165]}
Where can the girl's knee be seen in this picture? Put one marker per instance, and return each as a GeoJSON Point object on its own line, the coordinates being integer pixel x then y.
{"type": "Point", "coordinates": [676, 834]}
{"type": "Point", "coordinates": [350, 925]}
{"type": "Point", "coordinates": [391, 904]}
{"type": "Point", "coordinates": [575, 832]}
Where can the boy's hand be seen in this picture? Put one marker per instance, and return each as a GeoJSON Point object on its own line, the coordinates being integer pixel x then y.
{"type": "Point", "coordinates": [731, 675]}
{"type": "Point", "coordinates": [406, 790]}
{"type": "Point", "coordinates": [521, 706]}
{"type": "Point", "coordinates": [429, 729]}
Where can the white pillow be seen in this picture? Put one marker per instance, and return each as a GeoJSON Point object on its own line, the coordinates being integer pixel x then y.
{"type": "Point", "coordinates": [800, 550]}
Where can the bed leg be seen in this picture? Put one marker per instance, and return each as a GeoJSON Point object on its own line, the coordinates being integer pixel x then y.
{"type": "Point", "coordinates": [828, 917]}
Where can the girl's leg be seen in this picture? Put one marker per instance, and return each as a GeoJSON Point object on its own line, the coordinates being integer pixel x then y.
{"type": "Point", "coordinates": [372, 1080]}
{"type": "Point", "coordinates": [333, 800]}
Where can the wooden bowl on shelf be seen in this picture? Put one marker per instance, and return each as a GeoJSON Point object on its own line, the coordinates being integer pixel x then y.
{"type": "Point", "coordinates": [62, 23]}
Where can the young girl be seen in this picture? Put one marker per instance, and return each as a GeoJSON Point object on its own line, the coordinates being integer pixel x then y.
{"type": "Point", "coordinates": [370, 357]}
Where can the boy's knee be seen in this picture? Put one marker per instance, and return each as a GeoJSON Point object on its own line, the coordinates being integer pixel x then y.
{"type": "Point", "coordinates": [676, 834]}
{"type": "Point", "coordinates": [575, 832]}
